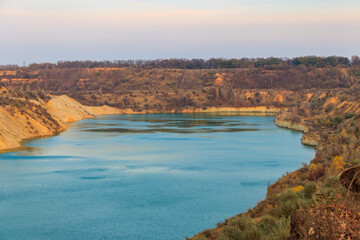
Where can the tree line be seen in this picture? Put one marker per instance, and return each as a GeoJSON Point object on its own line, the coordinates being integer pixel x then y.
{"type": "Point", "coordinates": [213, 63]}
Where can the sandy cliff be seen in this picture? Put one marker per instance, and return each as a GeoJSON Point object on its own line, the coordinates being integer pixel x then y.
{"type": "Point", "coordinates": [27, 120]}
{"type": "Point", "coordinates": [67, 109]}
{"type": "Point", "coordinates": [17, 125]}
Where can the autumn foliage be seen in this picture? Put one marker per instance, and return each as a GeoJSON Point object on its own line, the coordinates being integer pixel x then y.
{"type": "Point", "coordinates": [337, 165]}
{"type": "Point", "coordinates": [298, 188]}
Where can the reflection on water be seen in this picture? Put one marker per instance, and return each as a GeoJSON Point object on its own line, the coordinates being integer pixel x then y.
{"type": "Point", "coordinates": [160, 176]}
{"type": "Point", "coordinates": [175, 123]}
{"type": "Point", "coordinates": [169, 130]}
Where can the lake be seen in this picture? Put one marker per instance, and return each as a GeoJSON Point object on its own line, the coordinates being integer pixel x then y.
{"type": "Point", "coordinates": [160, 176]}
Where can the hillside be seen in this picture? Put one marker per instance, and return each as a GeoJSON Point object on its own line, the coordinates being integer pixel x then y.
{"type": "Point", "coordinates": [166, 89]}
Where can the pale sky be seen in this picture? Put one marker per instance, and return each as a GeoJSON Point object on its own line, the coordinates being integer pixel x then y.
{"type": "Point", "coordinates": [49, 31]}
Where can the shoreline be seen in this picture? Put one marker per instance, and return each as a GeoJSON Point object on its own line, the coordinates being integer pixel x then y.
{"type": "Point", "coordinates": [64, 109]}
{"type": "Point", "coordinates": [96, 111]}
{"type": "Point", "coordinates": [241, 112]}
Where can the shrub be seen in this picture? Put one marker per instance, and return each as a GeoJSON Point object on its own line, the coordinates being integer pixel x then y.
{"type": "Point", "coordinates": [295, 119]}
{"type": "Point", "coordinates": [301, 112]}
{"type": "Point", "coordinates": [329, 107]}
{"type": "Point", "coordinates": [201, 238]}
{"type": "Point", "coordinates": [241, 222]}
{"type": "Point", "coordinates": [287, 204]}
{"type": "Point", "coordinates": [316, 170]}
{"type": "Point", "coordinates": [344, 134]}
{"type": "Point", "coordinates": [269, 228]}
{"type": "Point", "coordinates": [335, 121]}
{"type": "Point", "coordinates": [284, 229]}
{"type": "Point", "coordinates": [241, 227]}
{"type": "Point", "coordinates": [337, 165]}
{"type": "Point", "coordinates": [268, 224]}
{"type": "Point", "coordinates": [349, 115]}
{"type": "Point", "coordinates": [298, 188]}
{"type": "Point", "coordinates": [332, 187]}
{"type": "Point", "coordinates": [234, 233]}
{"type": "Point", "coordinates": [309, 189]}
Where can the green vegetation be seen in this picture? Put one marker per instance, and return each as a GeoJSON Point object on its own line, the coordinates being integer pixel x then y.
{"type": "Point", "coordinates": [213, 63]}
{"type": "Point", "coordinates": [272, 226]}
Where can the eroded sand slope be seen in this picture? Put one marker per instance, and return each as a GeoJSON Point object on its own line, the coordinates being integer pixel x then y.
{"type": "Point", "coordinates": [27, 121]}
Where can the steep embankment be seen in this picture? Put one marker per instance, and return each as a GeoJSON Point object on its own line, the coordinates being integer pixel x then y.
{"type": "Point", "coordinates": [16, 125]}
{"type": "Point", "coordinates": [22, 119]}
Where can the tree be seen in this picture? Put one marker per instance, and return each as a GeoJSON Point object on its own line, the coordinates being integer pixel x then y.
{"type": "Point", "coordinates": [355, 61]}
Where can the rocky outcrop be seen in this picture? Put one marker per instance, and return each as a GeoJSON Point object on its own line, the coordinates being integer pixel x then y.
{"type": "Point", "coordinates": [310, 140]}
{"type": "Point", "coordinates": [291, 125]}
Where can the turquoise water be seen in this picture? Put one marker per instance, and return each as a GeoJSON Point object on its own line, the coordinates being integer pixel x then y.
{"type": "Point", "coordinates": [161, 176]}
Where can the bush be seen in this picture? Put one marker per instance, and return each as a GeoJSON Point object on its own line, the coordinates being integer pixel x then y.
{"type": "Point", "coordinates": [241, 227]}
{"type": "Point", "coordinates": [284, 229]}
{"type": "Point", "coordinates": [287, 204]}
{"type": "Point", "coordinates": [329, 107]}
{"type": "Point", "coordinates": [269, 228]}
{"type": "Point", "coordinates": [316, 170]}
{"type": "Point", "coordinates": [332, 187]}
{"type": "Point", "coordinates": [201, 238]}
{"type": "Point", "coordinates": [298, 188]}
{"type": "Point", "coordinates": [349, 115]}
{"type": "Point", "coordinates": [309, 190]}
{"type": "Point", "coordinates": [337, 165]}
{"type": "Point", "coordinates": [335, 121]}
{"type": "Point", "coordinates": [268, 224]}
{"type": "Point", "coordinates": [241, 222]}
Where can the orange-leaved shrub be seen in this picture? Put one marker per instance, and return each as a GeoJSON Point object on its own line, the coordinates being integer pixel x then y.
{"type": "Point", "coordinates": [337, 165]}
{"type": "Point", "coordinates": [298, 188]}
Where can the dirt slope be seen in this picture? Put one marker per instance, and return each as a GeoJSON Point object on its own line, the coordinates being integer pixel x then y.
{"type": "Point", "coordinates": [23, 119]}
{"type": "Point", "coordinates": [67, 109]}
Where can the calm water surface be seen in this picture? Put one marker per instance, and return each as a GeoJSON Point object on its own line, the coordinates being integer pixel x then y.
{"type": "Point", "coordinates": [161, 176]}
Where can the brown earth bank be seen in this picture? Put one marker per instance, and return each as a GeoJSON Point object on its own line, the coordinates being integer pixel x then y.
{"type": "Point", "coordinates": [322, 103]}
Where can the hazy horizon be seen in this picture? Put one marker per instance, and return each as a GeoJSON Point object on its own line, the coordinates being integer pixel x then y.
{"type": "Point", "coordinates": [50, 31]}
